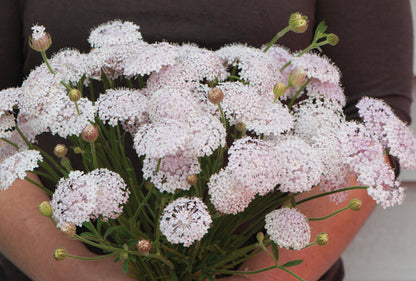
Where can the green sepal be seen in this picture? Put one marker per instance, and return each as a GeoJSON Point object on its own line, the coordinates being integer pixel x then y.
{"type": "Point", "coordinates": [125, 266]}
{"type": "Point", "coordinates": [275, 251]}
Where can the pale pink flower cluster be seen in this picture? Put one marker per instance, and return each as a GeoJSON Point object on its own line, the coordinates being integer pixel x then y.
{"type": "Point", "coordinates": [16, 166]}
{"type": "Point", "coordinates": [393, 133]}
{"type": "Point", "coordinates": [185, 221]}
{"type": "Point", "coordinates": [82, 197]}
{"type": "Point", "coordinates": [288, 228]}
{"type": "Point", "coordinates": [38, 31]}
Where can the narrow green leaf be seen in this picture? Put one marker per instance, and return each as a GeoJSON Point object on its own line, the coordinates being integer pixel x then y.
{"type": "Point", "coordinates": [292, 263]}
{"type": "Point", "coordinates": [173, 276]}
{"type": "Point", "coordinates": [99, 223]}
{"type": "Point", "coordinates": [125, 266]}
{"type": "Point", "coordinates": [117, 259]}
{"type": "Point", "coordinates": [210, 278]}
{"type": "Point", "coordinates": [110, 230]}
{"type": "Point", "coordinates": [275, 250]}
{"type": "Point", "coordinates": [88, 234]}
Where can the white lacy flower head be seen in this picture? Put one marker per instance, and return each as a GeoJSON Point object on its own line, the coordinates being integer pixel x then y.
{"type": "Point", "coordinates": [38, 31]}
{"type": "Point", "coordinates": [16, 166]}
{"type": "Point", "coordinates": [393, 133]}
{"type": "Point", "coordinates": [150, 58]}
{"type": "Point", "coordinates": [173, 103]}
{"type": "Point", "coordinates": [185, 221]}
{"type": "Point", "coordinates": [173, 172]}
{"type": "Point", "coordinates": [192, 65]}
{"type": "Point", "coordinates": [69, 65]}
{"type": "Point", "coordinates": [122, 105]}
{"type": "Point", "coordinates": [111, 60]}
{"type": "Point", "coordinates": [299, 165]}
{"type": "Point", "coordinates": [288, 228]}
{"type": "Point", "coordinates": [261, 115]}
{"type": "Point", "coordinates": [114, 33]}
{"type": "Point", "coordinates": [112, 193]}
{"type": "Point", "coordinates": [256, 67]}
{"type": "Point", "coordinates": [255, 163]}
{"type": "Point", "coordinates": [331, 91]}
{"type": "Point", "coordinates": [227, 193]}
{"type": "Point", "coordinates": [82, 197]}
{"type": "Point", "coordinates": [318, 67]}
{"type": "Point", "coordinates": [194, 137]}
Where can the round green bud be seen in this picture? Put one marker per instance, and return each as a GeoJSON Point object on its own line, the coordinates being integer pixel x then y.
{"type": "Point", "coordinates": [74, 95]}
{"type": "Point", "coordinates": [60, 150]}
{"type": "Point", "coordinates": [322, 239]}
{"type": "Point", "coordinates": [60, 254]}
{"type": "Point", "coordinates": [215, 95]}
{"type": "Point", "coordinates": [297, 77]}
{"type": "Point", "coordinates": [78, 150]}
{"type": "Point", "coordinates": [332, 39]}
{"type": "Point", "coordinates": [279, 89]}
{"type": "Point", "coordinates": [298, 23]}
{"type": "Point", "coordinates": [45, 209]}
{"type": "Point", "coordinates": [260, 237]}
{"type": "Point", "coordinates": [148, 185]}
{"type": "Point", "coordinates": [355, 204]}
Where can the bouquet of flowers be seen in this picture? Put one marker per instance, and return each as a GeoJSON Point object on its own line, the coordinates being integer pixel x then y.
{"type": "Point", "coordinates": [180, 155]}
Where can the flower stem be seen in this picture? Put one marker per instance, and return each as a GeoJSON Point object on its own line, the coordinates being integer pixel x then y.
{"type": "Point", "coordinates": [276, 37]}
{"type": "Point", "coordinates": [330, 215]}
{"type": "Point", "coordinates": [50, 193]}
{"type": "Point", "coordinates": [292, 101]}
{"type": "Point", "coordinates": [331, 192]}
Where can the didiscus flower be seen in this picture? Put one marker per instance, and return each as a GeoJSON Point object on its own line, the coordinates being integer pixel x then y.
{"type": "Point", "coordinates": [114, 33]}
{"type": "Point", "coordinates": [185, 221]}
{"type": "Point", "coordinates": [16, 166]}
{"type": "Point", "coordinates": [288, 228]}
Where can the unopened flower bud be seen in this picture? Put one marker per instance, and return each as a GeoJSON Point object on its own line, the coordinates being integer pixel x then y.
{"type": "Point", "coordinates": [297, 77]}
{"type": "Point", "coordinates": [144, 246]}
{"type": "Point", "coordinates": [322, 239]}
{"type": "Point", "coordinates": [260, 237]}
{"type": "Point", "coordinates": [74, 95]}
{"type": "Point", "coordinates": [355, 204]}
{"type": "Point", "coordinates": [45, 209]}
{"type": "Point", "coordinates": [90, 133]}
{"type": "Point", "coordinates": [60, 254]}
{"type": "Point", "coordinates": [40, 40]}
{"type": "Point", "coordinates": [279, 89]}
{"type": "Point", "coordinates": [192, 179]}
{"type": "Point", "coordinates": [78, 150]}
{"type": "Point", "coordinates": [241, 127]}
{"type": "Point", "coordinates": [332, 39]}
{"type": "Point", "coordinates": [298, 23]}
{"type": "Point", "coordinates": [215, 95]}
{"type": "Point", "coordinates": [69, 229]}
{"type": "Point", "coordinates": [60, 150]}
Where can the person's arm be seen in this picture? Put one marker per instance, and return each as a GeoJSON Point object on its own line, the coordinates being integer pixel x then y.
{"type": "Point", "coordinates": [29, 240]}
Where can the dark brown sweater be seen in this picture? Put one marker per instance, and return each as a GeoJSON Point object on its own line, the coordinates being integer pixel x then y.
{"type": "Point", "coordinates": [375, 53]}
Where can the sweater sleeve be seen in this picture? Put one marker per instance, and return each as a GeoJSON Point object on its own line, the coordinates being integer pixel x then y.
{"type": "Point", "coordinates": [375, 52]}
{"type": "Point", "coordinates": [10, 44]}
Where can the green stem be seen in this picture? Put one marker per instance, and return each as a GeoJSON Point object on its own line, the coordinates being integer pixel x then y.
{"type": "Point", "coordinates": [330, 192]}
{"type": "Point", "coordinates": [11, 143]}
{"type": "Point", "coordinates": [291, 273]}
{"type": "Point", "coordinates": [45, 59]}
{"type": "Point", "coordinates": [50, 193]}
{"type": "Point", "coordinates": [243, 272]}
{"type": "Point", "coordinates": [276, 37]}
{"type": "Point", "coordinates": [330, 215]}
{"type": "Point", "coordinates": [94, 155]}
{"type": "Point", "coordinates": [292, 101]}
{"type": "Point", "coordinates": [91, 258]}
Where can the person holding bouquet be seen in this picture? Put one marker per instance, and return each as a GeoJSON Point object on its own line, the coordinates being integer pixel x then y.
{"type": "Point", "coordinates": [372, 55]}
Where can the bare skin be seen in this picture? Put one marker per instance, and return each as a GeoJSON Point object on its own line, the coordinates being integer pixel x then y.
{"type": "Point", "coordinates": [29, 239]}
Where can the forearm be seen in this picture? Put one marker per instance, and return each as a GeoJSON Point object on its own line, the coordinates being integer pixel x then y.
{"type": "Point", "coordinates": [28, 239]}
{"type": "Point", "coordinates": [317, 259]}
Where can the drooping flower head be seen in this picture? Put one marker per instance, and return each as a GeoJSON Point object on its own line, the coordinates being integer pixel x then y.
{"type": "Point", "coordinates": [185, 221]}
